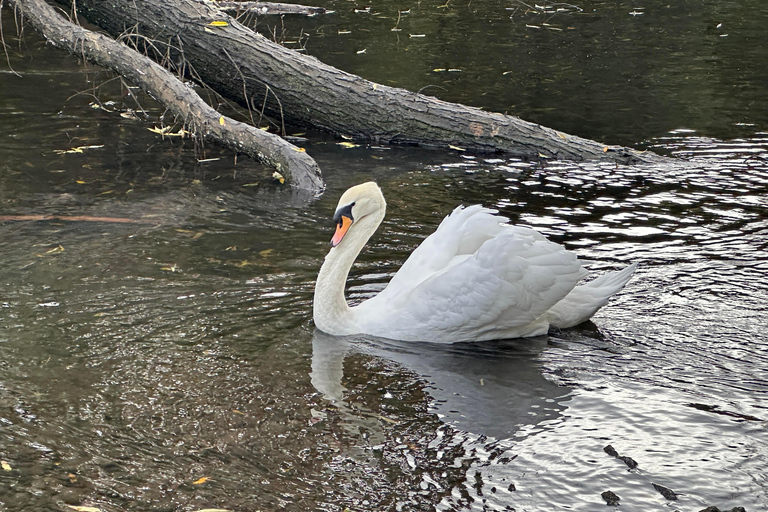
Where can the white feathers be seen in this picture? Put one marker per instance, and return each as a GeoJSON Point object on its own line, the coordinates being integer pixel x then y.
{"type": "Point", "coordinates": [475, 278]}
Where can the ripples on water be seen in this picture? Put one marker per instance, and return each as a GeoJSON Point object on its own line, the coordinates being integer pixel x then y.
{"type": "Point", "coordinates": [144, 358]}
{"type": "Point", "coordinates": [171, 364]}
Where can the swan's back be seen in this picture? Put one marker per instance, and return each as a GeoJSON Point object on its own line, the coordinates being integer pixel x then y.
{"type": "Point", "coordinates": [474, 278]}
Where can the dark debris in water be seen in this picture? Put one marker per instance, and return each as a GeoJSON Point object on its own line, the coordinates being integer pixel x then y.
{"type": "Point", "coordinates": [610, 497]}
{"type": "Point", "coordinates": [715, 509]}
{"type": "Point", "coordinates": [666, 492]}
{"type": "Point", "coordinates": [629, 461]}
{"type": "Point", "coordinates": [716, 410]}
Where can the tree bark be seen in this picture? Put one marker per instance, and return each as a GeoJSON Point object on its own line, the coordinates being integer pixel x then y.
{"type": "Point", "coordinates": [298, 167]}
{"type": "Point", "coordinates": [267, 8]}
{"type": "Point", "coordinates": [302, 91]}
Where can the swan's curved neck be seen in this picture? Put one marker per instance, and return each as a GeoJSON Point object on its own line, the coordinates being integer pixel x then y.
{"type": "Point", "coordinates": [331, 312]}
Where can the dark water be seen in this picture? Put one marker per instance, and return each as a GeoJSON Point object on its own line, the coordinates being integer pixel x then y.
{"type": "Point", "coordinates": [170, 363]}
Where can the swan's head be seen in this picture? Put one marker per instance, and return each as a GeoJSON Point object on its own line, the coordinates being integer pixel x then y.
{"type": "Point", "coordinates": [357, 203]}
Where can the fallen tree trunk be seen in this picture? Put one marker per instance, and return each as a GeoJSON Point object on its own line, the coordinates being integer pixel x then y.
{"type": "Point", "coordinates": [302, 91]}
{"type": "Point", "coordinates": [299, 168]}
{"type": "Point", "coordinates": [266, 8]}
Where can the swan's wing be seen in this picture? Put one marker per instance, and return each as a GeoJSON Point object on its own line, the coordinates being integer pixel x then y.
{"type": "Point", "coordinates": [511, 281]}
{"type": "Point", "coordinates": [458, 236]}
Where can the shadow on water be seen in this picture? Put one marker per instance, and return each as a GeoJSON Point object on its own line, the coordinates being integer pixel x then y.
{"type": "Point", "coordinates": [489, 389]}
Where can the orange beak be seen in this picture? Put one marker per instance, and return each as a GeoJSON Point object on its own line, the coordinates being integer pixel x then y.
{"type": "Point", "coordinates": [341, 230]}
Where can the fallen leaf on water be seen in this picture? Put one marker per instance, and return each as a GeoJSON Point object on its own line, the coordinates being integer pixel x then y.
{"type": "Point", "coordinates": [201, 480]}
{"type": "Point", "coordinates": [301, 150]}
{"type": "Point", "coordinates": [5, 466]}
{"type": "Point", "coordinates": [55, 250]}
{"type": "Point", "coordinates": [348, 144]}
{"type": "Point", "coordinates": [84, 509]}
{"type": "Point", "coordinates": [243, 264]}
{"type": "Point", "coordinates": [80, 182]}
{"type": "Point", "coordinates": [456, 148]}
{"type": "Point", "coordinates": [279, 177]}
{"type": "Point", "coordinates": [166, 131]}
{"type": "Point", "coordinates": [78, 149]}
{"type": "Point", "coordinates": [213, 510]}
{"type": "Point", "coordinates": [265, 252]}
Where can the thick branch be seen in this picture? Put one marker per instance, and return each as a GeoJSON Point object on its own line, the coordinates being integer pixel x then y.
{"type": "Point", "coordinates": [307, 92]}
{"type": "Point", "coordinates": [266, 8]}
{"type": "Point", "coordinates": [300, 169]}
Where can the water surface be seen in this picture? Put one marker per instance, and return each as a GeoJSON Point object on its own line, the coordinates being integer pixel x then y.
{"type": "Point", "coordinates": [170, 362]}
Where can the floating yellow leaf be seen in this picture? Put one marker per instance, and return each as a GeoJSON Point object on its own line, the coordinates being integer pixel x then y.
{"type": "Point", "coordinates": [265, 252]}
{"type": "Point", "coordinates": [201, 480]}
{"type": "Point", "coordinates": [221, 120]}
{"type": "Point", "coordinates": [300, 150]}
{"type": "Point", "coordinates": [55, 250]}
{"type": "Point", "coordinates": [348, 144]}
{"type": "Point", "coordinates": [5, 466]}
{"type": "Point", "coordinates": [75, 150]}
{"type": "Point", "coordinates": [456, 148]}
{"type": "Point", "coordinates": [80, 182]}
{"type": "Point", "coordinates": [243, 264]}
{"type": "Point", "coordinates": [166, 131]}
{"type": "Point", "coordinates": [279, 177]}
{"type": "Point", "coordinates": [438, 70]}
{"type": "Point", "coordinates": [84, 509]}
{"type": "Point", "coordinates": [605, 149]}
{"type": "Point", "coordinates": [218, 24]}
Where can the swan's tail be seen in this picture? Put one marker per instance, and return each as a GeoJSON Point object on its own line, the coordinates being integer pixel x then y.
{"type": "Point", "coordinates": [584, 300]}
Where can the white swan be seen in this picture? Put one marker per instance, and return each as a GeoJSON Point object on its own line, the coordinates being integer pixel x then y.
{"type": "Point", "coordinates": [475, 278]}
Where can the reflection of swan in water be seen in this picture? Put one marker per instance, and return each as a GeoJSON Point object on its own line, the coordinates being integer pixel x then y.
{"type": "Point", "coordinates": [483, 388]}
{"type": "Point", "coordinates": [475, 278]}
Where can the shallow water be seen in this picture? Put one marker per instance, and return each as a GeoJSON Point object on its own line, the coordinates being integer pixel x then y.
{"type": "Point", "coordinates": [170, 363]}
